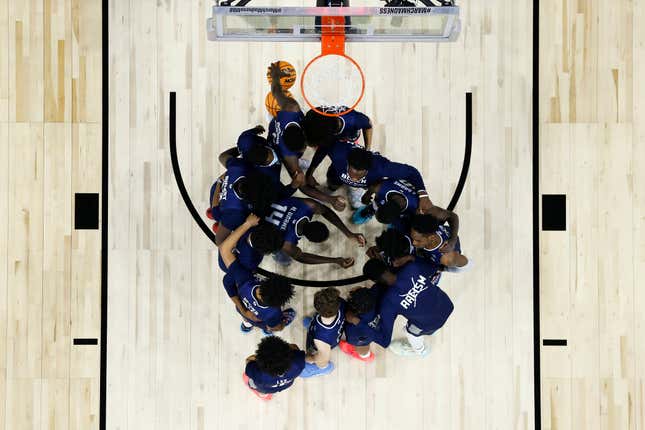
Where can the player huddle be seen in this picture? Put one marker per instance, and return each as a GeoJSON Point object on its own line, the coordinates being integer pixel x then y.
{"type": "Point", "coordinates": [256, 215]}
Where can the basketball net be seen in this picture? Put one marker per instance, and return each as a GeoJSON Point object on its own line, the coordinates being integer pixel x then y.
{"type": "Point", "coordinates": [332, 83]}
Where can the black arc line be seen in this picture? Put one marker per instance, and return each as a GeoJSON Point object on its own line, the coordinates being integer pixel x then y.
{"type": "Point", "coordinates": [301, 282]}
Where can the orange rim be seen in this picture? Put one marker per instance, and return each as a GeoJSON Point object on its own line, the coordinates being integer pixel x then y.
{"type": "Point", "coordinates": [304, 93]}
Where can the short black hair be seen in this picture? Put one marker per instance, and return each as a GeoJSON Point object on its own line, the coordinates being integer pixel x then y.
{"type": "Point", "coordinates": [274, 355]}
{"type": "Point", "coordinates": [388, 212]}
{"type": "Point", "coordinates": [360, 159]}
{"type": "Point", "coordinates": [266, 238]}
{"type": "Point", "coordinates": [319, 129]}
{"type": "Point", "coordinates": [374, 269]}
{"type": "Point", "coordinates": [361, 300]}
{"type": "Point", "coordinates": [276, 291]}
{"type": "Point", "coordinates": [425, 223]}
{"type": "Point", "coordinates": [260, 192]}
{"type": "Point", "coordinates": [294, 138]}
{"type": "Point", "coordinates": [257, 155]}
{"type": "Point", "coordinates": [315, 231]}
{"type": "Point", "coordinates": [393, 243]}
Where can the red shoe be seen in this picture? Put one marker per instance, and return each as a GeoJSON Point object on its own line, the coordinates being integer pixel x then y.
{"type": "Point", "coordinates": [209, 214]}
{"type": "Point", "coordinates": [215, 227]}
{"type": "Point", "coordinates": [350, 350]}
{"type": "Point", "coordinates": [262, 396]}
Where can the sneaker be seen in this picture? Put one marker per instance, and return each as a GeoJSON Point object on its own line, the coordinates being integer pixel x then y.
{"type": "Point", "coordinates": [306, 321]}
{"type": "Point", "coordinates": [263, 396]}
{"type": "Point", "coordinates": [355, 196]}
{"type": "Point", "coordinates": [215, 227]}
{"type": "Point", "coordinates": [362, 215]}
{"type": "Point", "coordinates": [281, 258]}
{"type": "Point", "coordinates": [403, 347]}
{"type": "Point", "coordinates": [245, 328]}
{"type": "Point", "coordinates": [209, 213]}
{"type": "Point", "coordinates": [304, 163]}
{"type": "Point", "coordinates": [311, 369]}
{"type": "Point", "coordinates": [349, 349]}
{"type": "Point", "coordinates": [288, 315]}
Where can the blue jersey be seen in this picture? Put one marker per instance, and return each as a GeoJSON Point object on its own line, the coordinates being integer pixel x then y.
{"type": "Point", "coordinates": [352, 123]}
{"type": "Point", "coordinates": [233, 209]}
{"type": "Point", "coordinates": [369, 325]}
{"type": "Point", "coordinates": [286, 215]}
{"type": "Point", "coordinates": [327, 333]}
{"type": "Point", "coordinates": [248, 140]}
{"type": "Point", "coordinates": [276, 131]}
{"type": "Point", "coordinates": [382, 168]}
{"type": "Point", "coordinates": [248, 256]}
{"type": "Point", "coordinates": [404, 189]}
{"type": "Point", "coordinates": [434, 255]}
{"type": "Point", "coordinates": [417, 297]}
{"type": "Point", "coordinates": [390, 262]}
{"type": "Point", "coordinates": [247, 286]}
{"type": "Point", "coordinates": [266, 383]}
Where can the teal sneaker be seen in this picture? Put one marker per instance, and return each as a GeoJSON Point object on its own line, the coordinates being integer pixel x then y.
{"type": "Point", "coordinates": [362, 215]}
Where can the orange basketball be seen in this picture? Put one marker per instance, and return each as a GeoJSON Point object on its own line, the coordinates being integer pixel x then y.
{"type": "Point", "coordinates": [287, 81]}
{"type": "Point", "coordinates": [272, 104]}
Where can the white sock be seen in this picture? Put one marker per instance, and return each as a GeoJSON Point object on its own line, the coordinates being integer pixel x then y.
{"type": "Point", "coordinates": [416, 342]}
{"type": "Point", "coordinates": [246, 324]}
{"type": "Point", "coordinates": [367, 354]}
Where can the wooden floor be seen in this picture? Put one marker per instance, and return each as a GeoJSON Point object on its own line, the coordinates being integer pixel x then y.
{"type": "Point", "coordinates": [174, 351]}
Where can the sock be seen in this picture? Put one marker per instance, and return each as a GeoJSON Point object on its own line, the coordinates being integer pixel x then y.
{"type": "Point", "coordinates": [416, 342]}
{"type": "Point", "coordinates": [367, 354]}
{"type": "Point", "coordinates": [459, 269]}
{"type": "Point", "coordinates": [246, 324]}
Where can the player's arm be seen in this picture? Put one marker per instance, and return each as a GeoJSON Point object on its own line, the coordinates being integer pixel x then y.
{"type": "Point", "coordinates": [286, 103]}
{"type": "Point", "coordinates": [331, 216]}
{"type": "Point", "coordinates": [306, 258]}
{"type": "Point", "coordinates": [250, 358]}
{"type": "Point", "coordinates": [444, 215]}
{"type": "Point", "coordinates": [318, 157]}
{"type": "Point", "coordinates": [367, 134]}
{"type": "Point", "coordinates": [227, 246]}
{"type": "Point", "coordinates": [233, 152]}
{"type": "Point", "coordinates": [291, 163]}
{"type": "Point", "coordinates": [258, 129]}
{"type": "Point", "coordinates": [322, 356]}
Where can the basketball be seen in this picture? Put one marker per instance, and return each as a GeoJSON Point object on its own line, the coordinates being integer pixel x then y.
{"type": "Point", "coordinates": [272, 104]}
{"type": "Point", "coordinates": [287, 81]}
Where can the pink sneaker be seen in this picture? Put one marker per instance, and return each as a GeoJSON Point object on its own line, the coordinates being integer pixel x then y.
{"type": "Point", "coordinates": [350, 350]}
{"type": "Point", "coordinates": [262, 396]}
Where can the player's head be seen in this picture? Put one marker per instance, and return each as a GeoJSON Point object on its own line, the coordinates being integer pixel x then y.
{"type": "Point", "coordinates": [275, 291]}
{"type": "Point", "coordinates": [359, 162]}
{"type": "Point", "coordinates": [273, 355]}
{"type": "Point", "coordinates": [361, 300]}
{"type": "Point", "coordinates": [259, 155]}
{"type": "Point", "coordinates": [327, 302]}
{"type": "Point", "coordinates": [266, 238]}
{"type": "Point", "coordinates": [259, 191]}
{"type": "Point", "coordinates": [422, 229]}
{"type": "Point", "coordinates": [315, 231]}
{"type": "Point", "coordinates": [388, 212]}
{"type": "Point", "coordinates": [393, 244]}
{"type": "Point", "coordinates": [377, 270]}
{"type": "Point", "coordinates": [294, 138]}
{"type": "Point", "coordinates": [320, 129]}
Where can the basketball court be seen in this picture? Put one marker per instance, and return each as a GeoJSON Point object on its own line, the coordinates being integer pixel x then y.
{"type": "Point", "coordinates": [524, 117]}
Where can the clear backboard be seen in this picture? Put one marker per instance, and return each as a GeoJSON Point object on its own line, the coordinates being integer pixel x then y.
{"type": "Point", "coordinates": [362, 24]}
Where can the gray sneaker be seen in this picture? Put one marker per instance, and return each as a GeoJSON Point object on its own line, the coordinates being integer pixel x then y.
{"type": "Point", "coordinates": [402, 347]}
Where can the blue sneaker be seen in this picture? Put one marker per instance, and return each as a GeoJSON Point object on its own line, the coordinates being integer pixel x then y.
{"type": "Point", "coordinates": [306, 321]}
{"type": "Point", "coordinates": [281, 258]}
{"type": "Point", "coordinates": [245, 329]}
{"type": "Point", "coordinates": [288, 315]}
{"type": "Point", "coordinates": [311, 369]}
{"type": "Point", "coordinates": [362, 215]}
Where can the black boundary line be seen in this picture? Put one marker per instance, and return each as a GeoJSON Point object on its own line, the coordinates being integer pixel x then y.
{"type": "Point", "coordinates": [537, 382]}
{"type": "Point", "coordinates": [301, 282]}
{"type": "Point", "coordinates": [554, 342]}
{"type": "Point", "coordinates": [86, 341]}
{"type": "Point", "coordinates": [104, 213]}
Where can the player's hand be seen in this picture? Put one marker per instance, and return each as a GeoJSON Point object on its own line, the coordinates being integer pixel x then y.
{"type": "Point", "coordinates": [345, 262]}
{"type": "Point", "coordinates": [259, 129]}
{"type": "Point", "coordinates": [274, 70]}
{"type": "Point", "coordinates": [252, 220]}
{"type": "Point", "coordinates": [298, 179]}
{"type": "Point", "coordinates": [367, 198]}
{"type": "Point", "coordinates": [373, 252]}
{"type": "Point", "coordinates": [311, 181]}
{"type": "Point", "coordinates": [402, 261]}
{"type": "Point", "coordinates": [448, 246]}
{"type": "Point", "coordinates": [358, 238]}
{"type": "Point", "coordinates": [339, 203]}
{"type": "Point", "coordinates": [424, 205]}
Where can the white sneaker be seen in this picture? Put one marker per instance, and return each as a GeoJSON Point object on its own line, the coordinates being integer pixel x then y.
{"type": "Point", "coordinates": [403, 347]}
{"type": "Point", "coordinates": [304, 163]}
{"type": "Point", "coordinates": [355, 196]}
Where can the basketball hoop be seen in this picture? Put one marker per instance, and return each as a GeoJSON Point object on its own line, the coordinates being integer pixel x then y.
{"type": "Point", "coordinates": [333, 78]}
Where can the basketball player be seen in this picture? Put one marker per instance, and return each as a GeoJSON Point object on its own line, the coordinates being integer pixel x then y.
{"type": "Point", "coordinates": [213, 212]}
{"type": "Point", "coordinates": [393, 247]}
{"type": "Point", "coordinates": [273, 368]}
{"type": "Point", "coordinates": [359, 168]}
{"type": "Point", "coordinates": [324, 330]}
{"type": "Point", "coordinates": [263, 299]}
{"type": "Point", "coordinates": [413, 293]}
{"type": "Point", "coordinates": [323, 130]}
{"type": "Point", "coordinates": [362, 322]}
{"type": "Point", "coordinates": [293, 217]}
{"type": "Point", "coordinates": [395, 201]}
{"type": "Point", "coordinates": [438, 242]}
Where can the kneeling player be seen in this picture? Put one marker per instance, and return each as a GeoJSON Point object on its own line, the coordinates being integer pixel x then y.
{"type": "Point", "coordinates": [274, 367]}
{"type": "Point", "coordinates": [438, 243]}
{"type": "Point", "coordinates": [324, 331]}
{"type": "Point", "coordinates": [361, 322]}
